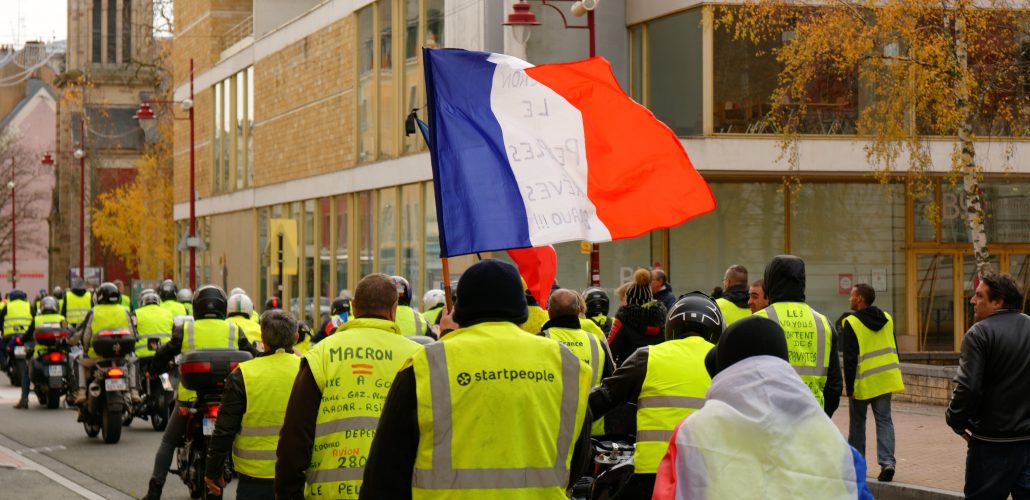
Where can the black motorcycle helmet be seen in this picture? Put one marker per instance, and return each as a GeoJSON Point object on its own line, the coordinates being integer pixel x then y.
{"type": "Point", "coordinates": [339, 306]}
{"type": "Point", "coordinates": [597, 302]}
{"type": "Point", "coordinates": [78, 286]}
{"type": "Point", "coordinates": [209, 302]}
{"type": "Point", "coordinates": [168, 290]}
{"type": "Point", "coordinates": [694, 314]}
{"type": "Point", "coordinates": [108, 294]}
{"type": "Point", "coordinates": [17, 294]}
{"type": "Point", "coordinates": [403, 290]}
{"type": "Point", "coordinates": [48, 305]}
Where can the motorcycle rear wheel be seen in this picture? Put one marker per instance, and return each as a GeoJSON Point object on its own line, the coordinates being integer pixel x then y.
{"type": "Point", "coordinates": [160, 412]}
{"type": "Point", "coordinates": [112, 426]}
{"type": "Point", "coordinates": [53, 400]}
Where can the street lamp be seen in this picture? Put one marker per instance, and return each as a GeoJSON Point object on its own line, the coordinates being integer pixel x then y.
{"type": "Point", "coordinates": [79, 154]}
{"type": "Point", "coordinates": [148, 122]}
{"type": "Point", "coordinates": [521, 20]}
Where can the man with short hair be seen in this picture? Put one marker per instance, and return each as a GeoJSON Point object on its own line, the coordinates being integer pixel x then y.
{"type": "Point", "coordinates": [990, 407]}
{"type": "Point", "coordinates": [660, 288]}
{"type": "Point", "coordinates": [871, 373]}
{"type": "Point", "coordinates": [338, 396]}
{"type": "Point", "coordinates": [252, 411]}
{"type": "Point", "coordinates": [756, 296]}
{"type": "Point", "coordinates": [734, 300]}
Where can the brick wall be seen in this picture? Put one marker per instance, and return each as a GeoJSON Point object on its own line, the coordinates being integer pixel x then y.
{"type": "Point", "coordinates": [927, 384]}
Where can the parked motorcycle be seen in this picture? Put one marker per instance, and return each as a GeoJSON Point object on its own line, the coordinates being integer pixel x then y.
{"type": "Point", "coordinates": [157, 393]}
{"type": "Point", "coordinates": [108, 385]}
{"type": "Point", "coordinates": [203, 371]}
{"type": "Point", "coordinates": [51, 370]}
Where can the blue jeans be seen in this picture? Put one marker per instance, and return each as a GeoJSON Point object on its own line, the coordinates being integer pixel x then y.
{"type": "Point", "coordinates": [884, 427]}
{"type": "Point", "coordinates": [995, 470]}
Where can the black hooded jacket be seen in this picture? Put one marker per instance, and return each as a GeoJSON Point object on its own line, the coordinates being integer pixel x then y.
{"type": "Point", "coordinates": [737, 294]}
{"type": "Point", "coordinates": [635, 327]}
{"type": "Point", "coordinates": [872, 318]}
{"type": "Point", "coordinates": [785, 282]}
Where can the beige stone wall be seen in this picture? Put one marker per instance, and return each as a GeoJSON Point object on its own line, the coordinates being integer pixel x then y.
{"type": "Point", "coordinates": [232, 236]}
{"type": "Point", "coordinates": [927, 384]}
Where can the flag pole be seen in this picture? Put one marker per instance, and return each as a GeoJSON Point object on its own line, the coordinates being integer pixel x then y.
{"type": "Point", "coordinates": [447, 285]}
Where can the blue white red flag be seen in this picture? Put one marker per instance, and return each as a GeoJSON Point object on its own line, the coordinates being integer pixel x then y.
{"type": "Point", "coordinates": [527, 155]}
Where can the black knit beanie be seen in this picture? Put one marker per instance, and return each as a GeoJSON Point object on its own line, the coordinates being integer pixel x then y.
{"type": "Point", "coordinates": [751, 336]}
{"type": "Point", "coordinates": [639, 293]}
{"type": "Point", "coordinates": [490, 290]}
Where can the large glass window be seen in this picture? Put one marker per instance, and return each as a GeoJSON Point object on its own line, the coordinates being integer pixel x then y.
{"type": "Point", "coordinates": [412, 89]}
{"type": "Point", "coordinates": [308, 259]}
{"type": "Point", "coordinates": [387, 102]}
{"type": "Point", "coordinates": [388, 231]}
{"type": "Point", "coordinates": [126, 30]}
{"type": "Point", "coordinates": [216, 145]}
{"type": "Point", "coordinates": [674, 67]}
{"type": "Point", "coordinates": [433, 266]}
{"type": "Point", "coordinates": [936, 305]}
{"type": "Point", "coordinates": [365, 219]}
{"type": "Point", "coordinates": [636, 54]}
{"type": "Point", "coordinates": [241, 130]}
{"type": "Point", "coordinates": [434, 32]}
{"type": "Point", "coordinates": [112, 31]}
{"type": "Point", "coordinates": [366, 85]}
{"type": "Point", "coordinates": [265, 258]}
{"type": "Point", "coordinates": [341, 243]}
{"type": "Point", "coordinates": [250, 126]}
{"type": "Point", "coordinates": [324, 290]}
{"type": "Point", "coordinates": [228, 150]}
{"type": "Point", "coordinates": [411, 228]}
{"type": "Point", "coordinates": [97, 25]}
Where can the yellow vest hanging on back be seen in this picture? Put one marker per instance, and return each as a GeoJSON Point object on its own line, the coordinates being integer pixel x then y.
{"type": "Point", "coordinates": [268, 381]}
{"type": "Point", "coordinates": [808, 342]}
{"type": "Point", "coordinates": [203, 334]}
{"type": "Point", "coordinates": [77, 307]}
{"type": "Point", "coordinates": [17, 318]}
{"type": "Point", "coordinates": [353, 369]}
{"type": "Point", "coordinates": [530, 408]}
{"type": "Point", "coordinates": [588, 349]}
{"type": "Point", "coordinates": [152, 322]}
{"type": "Point", "coordinates": [731, 312]}
{"type": "Point", "coordinates": [674, 387]}
{"type": "Point", "coordinates": [879, 371]}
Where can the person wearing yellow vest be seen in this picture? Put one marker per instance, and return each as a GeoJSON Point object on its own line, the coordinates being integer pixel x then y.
{"type": "Point", "coordinates": [77, 303]}
{"type": "Point", "coordinates": [596, 302]}
{"type": "Point", "coordinates": [339, 312]}
{"type": "Point", "coordinates": [252, 411]}
{"type": "Point", "coordinates": [17, 325]}
{"type": "Point", "coordinates": [47, 319]}
{"type": "Point", "coordinates": [185, 297]}
{"type": "Point", "coordinates": [152, 322]}
{"type": "Point", "coordinates": [125, 301]}
{"type": "Point", "coordinates": [107, 315]}
{"type": "Point", "coordinates": [872, 372]}
{"type": "Point", "coordinates": [810, 340]}
{"type": "Point", "coordinates": [566, 327]}
{"type": "Point", "coordinates": [433, 302]}
{"type": "Point", "coordinates": [239, 313]}
{"type": "Point", "coordinates": [485, 381]}
{"type": "Point", "coordinates": [168, 292]}
{"type": "Point", "coordinates": [338, 396]}
{"type": "Point", "coordinates": [733, 302]}
{"type": "Point", "coordinates": [208, 329]}
{"type": "Point", "coordinates": [537, 315]}
{"type": "Point", "coordinates": [667, 382]}
{"type": "Point", "coordinates": [410, 321]}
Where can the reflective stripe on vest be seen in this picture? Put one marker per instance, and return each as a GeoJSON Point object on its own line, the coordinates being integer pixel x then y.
{"type": "Point", "coordinates": [205, 334]}
{"type": "Point", "coordinates": [878, 370]}
{"type": "Point", "coordinates": [17, 318]}
{"type": "Point", "coordinates": [152, 322]}
{"type": "Point", "coordinates": [594, 361]}
{"type": "Point", "coordinates": [191, 344]}
{"type": "Point", "coordinates": [268, 381]}
{"type": "Point", "coordinates": [443, 476]}
{"type": "Point", "coordinates": [819, 370]}
{"type": "Point", "coordinates": [77, 307]}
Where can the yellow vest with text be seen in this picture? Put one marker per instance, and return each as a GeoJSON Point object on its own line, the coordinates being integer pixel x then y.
{"type": "Point", "coordinates": [107, 317]}
{"type": "Point", "coordinates": [46, 321]}
{"type": "Point", "coordinates": [176, 308]}
{"type": "Point", "coordinates": [17, 318]}
{"type": "Point", "coordinates": [674, 387]}
{"type": "Point", "coordinates": [77, 307]}
{"type": "Point", "coordinates": [201, 334]}
{"type": "Point", "coordinates": [268, 381]}
{"type": "Point", "coordinates": [879, 370]}
{"type": "Point", "coordinates": [809, 340]}
{"type": "Point", "coordinates": [411, 322]}
{"type": "Point", "coordinates": [152, 321]}
{"type": "Point", "coordinates": [250, 328]}
{"type": "Point", "coordinates": [588, 349]}
{"type": "Point", "coordinates": [537, 317]}
{"type": "Point", "coordinates": [731, 312]}
{"type": "Point", "coordinates": [353, 369]}
{"type": "Point", "coordinates": [471, 390]}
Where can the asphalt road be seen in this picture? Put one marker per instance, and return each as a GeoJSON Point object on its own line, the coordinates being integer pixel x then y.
{"type": "Point", "coordinates": [40, 449]}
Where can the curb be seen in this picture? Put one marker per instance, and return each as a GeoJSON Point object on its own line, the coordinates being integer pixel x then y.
{"type": "Point", "coordinates": [902, 491]}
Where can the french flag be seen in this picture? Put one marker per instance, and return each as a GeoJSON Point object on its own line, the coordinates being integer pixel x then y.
{"type": "Point", "coordinates": [526, 156]}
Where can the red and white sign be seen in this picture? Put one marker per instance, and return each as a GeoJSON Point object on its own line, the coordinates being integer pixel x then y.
{"type": "Point", "coordinates": [844, 283]}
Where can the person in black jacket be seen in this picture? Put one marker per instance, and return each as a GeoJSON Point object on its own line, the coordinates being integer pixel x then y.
{"type": "Point", "coordinates": [639, 323]}
{"type": "Point", "coordinates": [990, 407]}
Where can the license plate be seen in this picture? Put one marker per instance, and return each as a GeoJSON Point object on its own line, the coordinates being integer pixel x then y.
{"type": "Point", "coordinates": [166, 382]}
{"type": "Point", "coordinates": [55, 370]}
{"type": "Point", "coordinates": [115, 384]}
{"type": "Point", "coordinates": [209, 426]}
{"type": "Point", "coordinates": [19, 351]}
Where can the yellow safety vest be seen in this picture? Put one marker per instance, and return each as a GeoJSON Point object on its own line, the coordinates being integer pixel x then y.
{"type": "Point", "coordinates": [176, 308]}
{"type": "Point", "coordinates": [152, 322]}
{"type": "Point", "coordinates": [411, 322]}
{"type": "Point", "coordinates": [731, 312]}
{"type": "Point", "coordinates": [46, 321]}
{"type": "Point", "coordinates": [188, 306]}
{"type": "Point", "coordinates": [126, 302]}
{"type": "Point", "coordinates": [18, 317]}
{"type": "Point", "coordinates": [809, 341]}
{"type": "Point", "coordinates": [535, 403]}
{"type": "Point", "coordinates": [588, 349]}
{"type": "Point", "coordinates": [107, 317]}
{"type": "Point", "coordinates": [879, 371]}
{"type": "Point", "coordinates": [537, 317]}
{"type": "Point", "coordinates": [674, 387]}
{"type": "Point", "coordinates": [255, 317]}
{"type": "Point", "coordinates": [250, 329]}
{"type": "Point", "coordinates": [203, 334]}
{"type": "Point", "coordinates": [591, 327]}
{"type": "Point", "coordinates": [77, 306]}
{"type": "Point", "coordinates": [432, 314]}
{"type": "Point", "coordinates": [268, 381]}
{"type": "Point", "coordinates": [353, 371]}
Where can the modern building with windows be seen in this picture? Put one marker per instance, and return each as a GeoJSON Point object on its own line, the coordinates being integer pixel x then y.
{"type": "Point", "coordinates": [301, 117]}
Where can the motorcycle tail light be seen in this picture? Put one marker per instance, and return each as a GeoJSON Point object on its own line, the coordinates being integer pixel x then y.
{"type": "Point", "coordinates": [115, 373]}
{"type": "Point", "coordinates": [55, 357]}
{"type": "Point", "coordinates": [211, 411]}
{"type": "Point", "coordinates": [184, 411]}
{"type": "Point", "coordinates": [17, 340]}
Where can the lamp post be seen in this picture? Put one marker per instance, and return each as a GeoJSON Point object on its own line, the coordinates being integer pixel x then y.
{"type": "Point", "coordinates": [79, 154]}
{"type": "Point", "coordinates": [14, 233]}
{"type": "Point", "coordinates": [148, 122]}
{"type": "Point", "coordinates": [521, 19]}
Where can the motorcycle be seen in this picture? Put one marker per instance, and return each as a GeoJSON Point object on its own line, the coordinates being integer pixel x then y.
{"type": "Point", "coordinates": [51, 370]}
{"type": "Point", "coordinates": [204, 372]}
{"type": "Point", "coordinates": [108, 387]}
{"type": "Point", "coordinates": [17, 353]}
{"type": "Point", "coordinates": [157, 393]}
{"type": "Point", "coordinates": [613, 469]}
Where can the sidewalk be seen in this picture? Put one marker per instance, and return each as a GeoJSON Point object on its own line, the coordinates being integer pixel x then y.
{"type": "Point", "coordinates": [928, 452]}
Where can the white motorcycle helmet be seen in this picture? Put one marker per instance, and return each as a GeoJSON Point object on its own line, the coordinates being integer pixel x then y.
{"type": "Point", "coordinates": [240, 304]}
{"type": "Point", "coordinates": [433, 298]}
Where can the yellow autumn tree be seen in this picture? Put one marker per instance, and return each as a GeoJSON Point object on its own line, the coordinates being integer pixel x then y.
{"type": "Point", "coordinates": [954, 70]}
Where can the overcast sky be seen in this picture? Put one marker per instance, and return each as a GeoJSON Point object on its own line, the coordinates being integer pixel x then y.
{"type": "Point", "coordinates": [22, 20]}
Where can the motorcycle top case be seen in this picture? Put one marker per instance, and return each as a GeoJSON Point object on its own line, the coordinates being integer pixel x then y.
{"type": "Point", "coordinates": [205, 370]}
{"type": "Point", "coordinates": [50, 336]}
{"type": "Point", "coordinates": [114, 343]}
